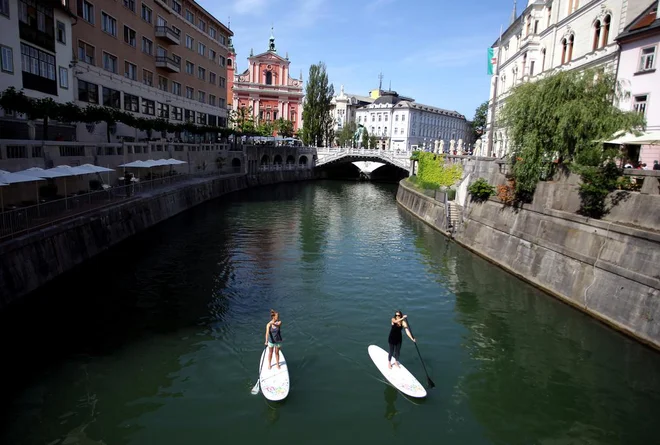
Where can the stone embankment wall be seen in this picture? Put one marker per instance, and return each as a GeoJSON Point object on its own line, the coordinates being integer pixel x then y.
{"type": "Point", "coordinates": [608, 268]}
{"type": "Point", "coordinates": [28, 262]}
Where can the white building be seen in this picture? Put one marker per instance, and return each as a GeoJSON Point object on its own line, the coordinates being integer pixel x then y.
{"type": "Point", "coordinates": [553, 35]}
{"type": "Point", "coordinates": [344, 107]}
{"type": "Point", "coordinates": [401, 124]}
{"type": "Point", "coordinates": [36, 54]}
{"type": "Point", "coordinates": [637, 71]}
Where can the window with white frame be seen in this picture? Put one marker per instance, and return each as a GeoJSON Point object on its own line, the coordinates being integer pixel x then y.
{"type": "Point", "coordinates": [86, 11]}
{"type": "Point", "coordinates": [640, 103]}
{"type": "Point", "coordinates": [190, 16]}
{"type": "Point", "coordinates": [108, 24]}
{"type": "Point", "coordinates": [201, 48]}
{"type": "Point", "coordinates": [176, 88]}
{"type": "Point", "coordinates": [190, 93]}
{"type": "Point", "coordinates": [64, 77]}
{"type": "Point", "coordinates": [147, 13]}
{"type": "Point", "coordinates": [130, 70]}
{"type": "Point", "coordinates": [130, 4]}
{"type": "Point", "coordinates": [647, 58]}
{"type": "Point", "coordinates": [130, 36]}
{"type": "Point", "coordinates": [190, 42]}
{"type": "Point", "coordinates": [147, 46]}
{"type": "Point", "coordinates": [61, 32]}
{"type": "Point", "coordinates": [176, 6]}
{"type": "Point", "coordinates": [109, 62]}
{"type": "Point", "coordinates": [7, 59]}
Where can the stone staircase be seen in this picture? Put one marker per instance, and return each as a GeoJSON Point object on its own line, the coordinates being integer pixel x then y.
{"type": "Point", "coordinates": [453, 216]}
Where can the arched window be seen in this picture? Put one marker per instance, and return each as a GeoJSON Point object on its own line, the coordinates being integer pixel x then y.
{"type": "Point", "coordinates": [571, 40]}
{"type": "Point", "coordinates": [543, 60]}
{"type": "Point", "coordinates": [269, 78]}
{"type": "Point", "coordinates": [229, 62]}
{"type": "Point", "coordinates": [606, 29]}
{"type": "Point", "coordinates": [524, 65]}
{"type": "Point", "coordinates": [564, 47]}
{"type": "Point", "coordinates": [596, 43]}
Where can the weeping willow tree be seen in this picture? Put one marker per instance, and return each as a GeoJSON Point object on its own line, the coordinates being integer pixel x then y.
{"type": "Point", "coordinates": [561, 119]}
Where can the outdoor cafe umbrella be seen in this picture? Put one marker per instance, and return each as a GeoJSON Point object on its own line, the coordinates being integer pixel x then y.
{"type": "Point", "coordinates": [7, 178]}
{"type": "Point", "coordinates": [67, 170]}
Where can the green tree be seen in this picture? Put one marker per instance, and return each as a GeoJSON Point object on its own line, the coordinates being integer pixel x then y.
{"type": "Point", "coordinates": [346, 134]}
{"type": "Point", "coordinates": [242, 120]}
{"type": "Point", "coordinates": [284, 128]}
{"type": "Point", "coordinates": [265, 128]}
{"type": "Point", "coordinates": [479, 121]}
{"type": "Point", "coordinates": [373, 141]}
{"type": "Point", "coordinates": [365, 138]}
{"type": "Point", "coordinates": [559, 119]}
{"type": "Point", "coordinates": [316, 110]}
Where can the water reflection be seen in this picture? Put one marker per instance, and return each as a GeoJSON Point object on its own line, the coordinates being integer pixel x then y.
{"type": "Point", "coordinates": [391, 413]}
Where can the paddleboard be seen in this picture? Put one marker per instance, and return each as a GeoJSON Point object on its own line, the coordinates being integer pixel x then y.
{"type": "Point", "coordinates": [398, 376]}
{"type": "Point", "coordinates": [274, 383]}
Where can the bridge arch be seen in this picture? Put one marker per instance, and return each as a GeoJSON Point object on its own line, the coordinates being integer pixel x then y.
{"type": "Point", "coordinates": [277, 160]}
{"type": "Point", "coordinates": [265, 160]}
{"type": "Point", "coordinates": [302, 160]}
{"type": "Point", "coordinates": [235, 162]}
{"type": "Point", "coordinates": [290, 160]}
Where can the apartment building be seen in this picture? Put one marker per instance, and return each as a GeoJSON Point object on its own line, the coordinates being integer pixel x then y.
{"type": "Point", "coordinates": [155, 58]}
{"type": "Point", "coordinates": [35, 51]}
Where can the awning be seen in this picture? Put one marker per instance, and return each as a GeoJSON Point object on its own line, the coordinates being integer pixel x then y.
{"type": "Point", "coordinates": [67, 170]}
{"type": "Point", "coordinates": [153, 163]}
{"type": "Point", "coordinates": [14, 178]}
{"type": "Point", "coordinates": [41, 173]}
{"type": "Point", "coordinates": [647, 138]}
{"type": "Point", "coordinates": [94, 168]}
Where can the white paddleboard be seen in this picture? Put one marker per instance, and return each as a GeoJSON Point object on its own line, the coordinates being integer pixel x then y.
{"type": "Point", "coordinates": [398, 376]}
{"type": "Point", "coordinates": [274, 383]}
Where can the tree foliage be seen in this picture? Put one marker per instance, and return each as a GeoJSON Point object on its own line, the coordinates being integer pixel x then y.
{"type": "Point", "coordinates": [243, 121]}
{"type": "Point", "coordinates": [560, 119]}
{"type": "Point", "coordinates": [365, 138]}
{"type": "Point", "coordinates": [316, 110]}
{"type": "Point", "coordinates": [284, 127]}
{"type": "Point", "coordinates": [481, 190]}
{"type": "Point", "coordinates": [346, 134]}
{"type": "Point", "coordinates": [265, 128]}
{"type": "Point", "coordinates": [479, 121]}
{"type": "Point", "coordinates": [433, 173]}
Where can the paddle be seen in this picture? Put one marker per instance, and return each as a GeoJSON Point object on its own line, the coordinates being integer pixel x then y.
{"type": "Point", "coordinates": [430, 382]}
{"type": "Point", "coordinates": [255, 388]}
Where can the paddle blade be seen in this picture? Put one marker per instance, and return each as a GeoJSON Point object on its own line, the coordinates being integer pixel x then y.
{"type": "Point", "coordinates": [255, 389]}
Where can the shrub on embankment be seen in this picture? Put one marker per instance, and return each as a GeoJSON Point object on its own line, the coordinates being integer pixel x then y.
{"type": "Point", "coordinates": [433, 173]}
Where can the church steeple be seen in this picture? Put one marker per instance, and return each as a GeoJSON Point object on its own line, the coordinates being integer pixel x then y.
{"type": "Point", "coordinates": [271, 41]}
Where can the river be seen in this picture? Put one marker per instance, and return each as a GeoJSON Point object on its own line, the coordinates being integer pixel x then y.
{"type": "Point", "coordinates": [158, 340]}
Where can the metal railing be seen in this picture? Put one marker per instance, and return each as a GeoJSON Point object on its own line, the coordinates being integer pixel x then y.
{"type": "Point", "coordinates": [23, 220]}
{"type": "Point", "coordinates": [400, 159]}
{"type": "Point", "coordinates": [280, 167]}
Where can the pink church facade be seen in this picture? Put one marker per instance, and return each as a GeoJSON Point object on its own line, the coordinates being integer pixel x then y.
{"type": "Point", "coordinates": [267, 88]}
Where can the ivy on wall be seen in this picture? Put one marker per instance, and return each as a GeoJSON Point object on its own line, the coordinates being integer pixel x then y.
{"type": "Point", "coordinates": [433, 173]}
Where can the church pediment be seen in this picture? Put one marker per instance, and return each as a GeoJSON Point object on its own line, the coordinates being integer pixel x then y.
{"type": "Point", "coordinates": [269, 56]}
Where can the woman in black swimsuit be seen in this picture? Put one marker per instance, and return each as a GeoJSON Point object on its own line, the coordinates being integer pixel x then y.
{"type": "Point", "coordinates": [274, 338]}
{"type": "Point", "coordinates": [395, 339]}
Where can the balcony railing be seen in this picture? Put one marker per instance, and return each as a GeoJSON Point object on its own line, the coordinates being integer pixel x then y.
{"type": "Point", "coordinates": [168, 63]}
{"type": "Point", "coordinates": [168, 34]}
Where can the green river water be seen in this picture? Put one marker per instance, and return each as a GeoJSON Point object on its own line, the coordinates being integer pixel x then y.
{"type": "Point", "coordinates": [158, 340]}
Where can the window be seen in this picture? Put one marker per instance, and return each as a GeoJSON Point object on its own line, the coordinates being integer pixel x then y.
{"type": "Point", "coordinates": [146, 13]}
{"type": "Point", "coordinates": [528, 27]}
{"type": "Point", "coordinates": [176, 6]}
{"type": "Point", "coordinates": [148, 107]}
{"type": "Point", "coordinates": [212, 32]}
{"type": "Point", "coordinates": [176, 88]}
{"type": "Point", "coordinates": [130, 36]}
{"type": "Point", "coordinates": [567, 49]}
{"type": "Point", "coordinates": [130, 70]}
{"type": "Point", "coordinates": [177, 113]}
{"type": "Point", "coordinates": [7, 59]}
{"type": "Point", "coordinates": [147, 46]}
{"type": "Point", "coordinates": [221, 102]}
{"type": "Point", "coordinates": [222, 61]}
{"type": "Point", "coordinates": [536, 26]}
{"type": "Point", "coordinates": [109, 62]}
{"type": "Point", "coordinates": [201, 73]}
{"type": "Point", "coordinates": [162, 83]}
{"type": "Point", "coordinates": [147, 77]}
{"type": "Point", "coordinates": [64, 77]}
{"type": "Point", "coordinates": [531, 68]}
{"type": "Point", "coordinates": [647, 60]}
{"type": "Point", "coordinates": [606, 29]}
{"type": "Point", "coordinates": [131, 103]}
{"type": "Point", "coordinates": [222, 39]}
{"type": "Point", "coordinates": [176, 30]}
{"type": "Point", "coordinates": [163, 110]}
{"type": "Point", "coordinates": [222, 82]}
{"type": "Point", "coordinates": [549, 15]}
{"type": "Point", "coordinates": [212, 78]}
{"type": "Point", "coordinates": [212, 100]}
{"type": "Point", "coordinates": [111, 98]}
{"type": "Point", "coordinates": [201, 24]}
{"type": "Point", "coordinates": [4, 7]}
{"type": "Point", "coordinates": [190, 16]}
{"type": "Point", "coordinates": [161, 52]}
{"type": "Point", "coordinates": [130, 4]}
{"type": "Point", "coordinates": [190, 68]}
{"type": "Point", "coordinates": [201, 48]}
{"type": "Point", "coordinates": [86, 11]}
{"type": "Point", "coordinates": [572, 6]}
{"type": "Point", "coordinates": [201, 118]}
{"type": "Point", "coordinates": [201, 96]}
{"type": "Point", "coordinates": [269, 78]}
{"type": "Point", "coordinates": [190, 42]}
{"type": "Point", "coordinates": [190, 93]}
{"type": "Point", "coordinates": [596, 43]}
{"type": "Point", "coordinates": [37, 62]}
{"type": "Point", "coordinates": [108, 24]}
{"type": "Point", "coordinates": [85, 52]}
{"type": "Point", "coordinates": [190, 116]}
{"type": "Point", "coordinates": [639, 103]}
{"type": "Point", "coordinates": [161, 21]}
{"type": "Point", "coordinates": [61, 32]}
{"type": "Point", "coordinates": [88, 92]}
{"type": "Point", "coordinates": [212, 54]}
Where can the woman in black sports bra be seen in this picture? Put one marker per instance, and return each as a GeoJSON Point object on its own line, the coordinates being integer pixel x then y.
{"type": "Point", "coordinates": [274, 338]}
{"type": "Point", "coordinates": [396, 339]}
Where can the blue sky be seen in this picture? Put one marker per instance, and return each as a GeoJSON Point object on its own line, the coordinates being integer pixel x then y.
{"type": "Point", "coordinates": [431, 50]}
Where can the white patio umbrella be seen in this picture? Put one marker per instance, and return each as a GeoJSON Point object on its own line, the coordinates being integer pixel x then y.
{"type": "Point", "coordinates": [172, 161]}
{"type": "Point", "coordinates": [650, 138]}
{"type": "Point", "coordinates": [7, 178]}
{"type": "Point", "coordinates": [67, 170]}
{"type": "Point", "coordinates": [136, 164]}
{"type": "Point", "coordinates": [95, 168]}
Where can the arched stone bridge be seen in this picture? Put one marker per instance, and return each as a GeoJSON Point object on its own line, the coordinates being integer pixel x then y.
{"type": "Point", "coordinates": [343, 155]}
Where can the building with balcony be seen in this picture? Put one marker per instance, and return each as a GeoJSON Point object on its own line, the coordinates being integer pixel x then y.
{"type": "Point", "coordinates": [639, 75]}
{"type": "Point", "coordinates": [267, 88]}
{"type": "Point", "coordinates": [36, 56]}
{"type": "Point", "coordinates": [155, 58]}
{"type": "Point", "coordinates": [401, 124]}
{"type": "Point", "coordinates": [549, 36]}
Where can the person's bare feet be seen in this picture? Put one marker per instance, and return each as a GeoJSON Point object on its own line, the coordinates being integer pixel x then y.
{"type": "Point", "coordinates": [397, 365]}
{"type": "Point", "coordinates": [389, 365]}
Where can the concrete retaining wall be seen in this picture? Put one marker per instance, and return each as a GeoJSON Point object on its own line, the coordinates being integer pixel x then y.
{"type": "Point", "coordinates": [28, 262]}
{"type": "Point", "coordinates": [608, 270]}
